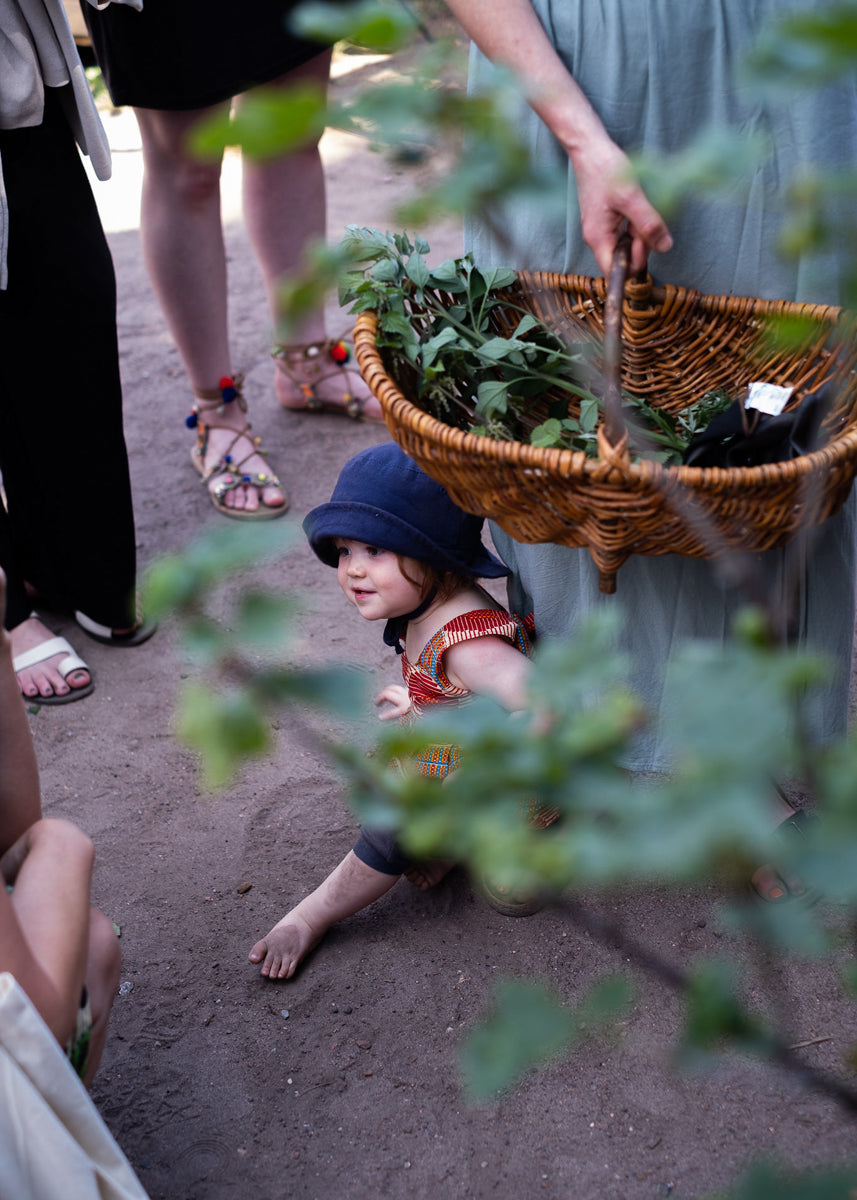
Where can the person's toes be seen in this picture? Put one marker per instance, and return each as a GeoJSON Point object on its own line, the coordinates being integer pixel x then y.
{"type": "Point", "coordinates": [48, 681]}
{"type": "Point", "coordinates": [769, 885]}
{"type": "Point", "coordinates": [273, 497]}
{"type": "Point", "coordinates": [258, 952]}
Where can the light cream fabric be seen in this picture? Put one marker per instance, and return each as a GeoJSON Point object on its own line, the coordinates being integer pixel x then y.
{"type": "Point", "coordinates": [53, 1143]}
{"type": "Point", "coordinates": [37, 50]}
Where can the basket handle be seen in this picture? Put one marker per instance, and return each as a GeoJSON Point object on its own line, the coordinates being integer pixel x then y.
{"type": "Point", "coordinates": [614, 425]}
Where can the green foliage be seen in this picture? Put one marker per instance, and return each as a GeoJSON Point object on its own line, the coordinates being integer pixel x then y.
{"type": "Point", "coordinates": [808, 49]}
{"type": "Point", "coordinates": [268, 123]}
{"type": "Point", "coordinates": [382, 28]}
{"type": "Point", "coordinates": [716, 161]}
{"type": "Point", "coordinates": [766, 1181]}
{"type": "Point", "coordinates": [96, 82]}
{"type": "Point", "coordinates": [179, 583]}
{"type": "Point", "coordinates": [228, 724]}
{"type": "Point", "coordinates": [714, 1017]}
{"type": "Point", "coordinates": [224, 729]}
{"type": "Point", "coordinates": [439, 330]}
{"type": "Point", "coordinates": [732, 721]}
{"type": "Point", "coordinates": [528, 1025]}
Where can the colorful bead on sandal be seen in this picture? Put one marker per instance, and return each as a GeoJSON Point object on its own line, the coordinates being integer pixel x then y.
{"type": "Point", "coordinates": [309, 365]}
{"type": "Point", "coordinates": [228, 471]}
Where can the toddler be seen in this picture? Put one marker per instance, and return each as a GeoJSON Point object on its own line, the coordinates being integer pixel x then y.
{"type": "Point", "coordinates": [406, 555]}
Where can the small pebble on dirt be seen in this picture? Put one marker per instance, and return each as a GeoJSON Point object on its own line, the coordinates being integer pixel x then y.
{"type": "Point", "coordinates": [243, 887]}
{"type": "Point", "coordinates": [126, 987]}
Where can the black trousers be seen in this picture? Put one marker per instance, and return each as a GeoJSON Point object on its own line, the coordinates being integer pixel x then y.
{"type": "Point", "coordinates": [67, 526]}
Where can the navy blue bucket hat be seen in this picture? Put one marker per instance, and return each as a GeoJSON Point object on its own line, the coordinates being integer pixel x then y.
{"type": "Point", "coordinates": [384, 499]}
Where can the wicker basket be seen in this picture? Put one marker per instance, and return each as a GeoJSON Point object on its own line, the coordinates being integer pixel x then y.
{"type": "Point", "coordinates": [675, 345]}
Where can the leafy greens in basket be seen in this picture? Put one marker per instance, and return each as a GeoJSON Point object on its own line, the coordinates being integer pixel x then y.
{"type": "Point", "coordinates": [438, 334]}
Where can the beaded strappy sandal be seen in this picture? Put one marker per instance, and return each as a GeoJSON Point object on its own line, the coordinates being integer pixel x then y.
{"type": "Point", "coordinates": [309, 365]}
{"type": "Point", "coordinates": [228, 471]}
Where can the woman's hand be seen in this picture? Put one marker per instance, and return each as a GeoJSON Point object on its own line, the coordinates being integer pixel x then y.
{"type": "Point", "coordinates": [510, 32]}
{"type": "Point", "coordinates": [608, 197]}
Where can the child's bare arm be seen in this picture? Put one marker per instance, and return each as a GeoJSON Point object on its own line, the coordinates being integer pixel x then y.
{"type": "Point", "coordinates": [490, 666]}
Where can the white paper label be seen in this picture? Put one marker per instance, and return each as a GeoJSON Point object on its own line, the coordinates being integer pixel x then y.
{"type": "Point", "coordinates": [768, 398]}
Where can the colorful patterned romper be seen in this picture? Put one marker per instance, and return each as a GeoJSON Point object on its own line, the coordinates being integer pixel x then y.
{"type": "Point", "coordinates": [428, 684]}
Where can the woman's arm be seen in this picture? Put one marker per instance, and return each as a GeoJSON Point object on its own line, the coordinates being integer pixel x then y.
{"type": "Point", "coordinates": [510, 33]}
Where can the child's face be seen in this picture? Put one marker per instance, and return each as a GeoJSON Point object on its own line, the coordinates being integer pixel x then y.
{"type": "Point", "coordinates": [373, 581]}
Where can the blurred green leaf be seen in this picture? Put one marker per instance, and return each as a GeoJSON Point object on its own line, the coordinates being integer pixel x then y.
{"type": "Point", "coordinates": [268, 123]}
{"type": "Point", "coordinates": [527, 1026]}
{"type": "Point", "coordinates": [766, 1181]}
{"type": "Point", "coordinates": [809, 49]}
{"type": "Point", "coordinates": [717, 161]}
{"type": "Point", "coordinates": [374, 25]}
{"type": "Point", "coordinates": [178, 582]}
{"type": "Point", "coordinates": [223, 729]}
{"type": "Point", "coordinates": [714, 1017]}
{"type": "Point", "coordinates": [342, 690]}
{"type": "Point", "coordinates": [265, 618]}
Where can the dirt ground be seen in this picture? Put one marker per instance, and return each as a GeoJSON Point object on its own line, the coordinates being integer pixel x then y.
{"type": "Point", "coordinates": [343, 1082]}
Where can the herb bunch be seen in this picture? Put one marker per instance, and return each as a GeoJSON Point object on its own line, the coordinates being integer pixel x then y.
{"type": "Point", "coordinates": [439, 332]}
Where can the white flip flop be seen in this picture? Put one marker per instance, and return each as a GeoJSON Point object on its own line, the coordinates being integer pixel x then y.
{"type": "Point", "coordinates": [71, 662]}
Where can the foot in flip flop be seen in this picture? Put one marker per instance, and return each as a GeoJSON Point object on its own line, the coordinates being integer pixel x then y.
{"type": "Point", "coordinates": [48, 670]}
{"type": "Point", "coordinates": [230, 458]}
{"type": "Point", "coordinates": [320, 377]}
{"type": "Point", "coordinates": [770, 883]}
{"type": "Point", "coordinates": [134, 635]}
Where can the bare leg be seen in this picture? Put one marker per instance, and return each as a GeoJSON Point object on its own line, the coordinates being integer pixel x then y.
{"type": "Point", "coordinates": [103, 966]}
{"type": "Point", "coordinates": [351, 886]}
{"type": "Point", "coordinates": [20, 796]}
{"type": "Point", "coordinates": [284, 212]}
{"type": "Point", "coordinates": [183, 250]}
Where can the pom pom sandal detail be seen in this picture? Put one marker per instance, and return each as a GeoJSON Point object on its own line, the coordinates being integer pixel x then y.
{"type": "Point", "coordinates": [227, 473]}
{"type": "Point", "coordinates": [309, 365]}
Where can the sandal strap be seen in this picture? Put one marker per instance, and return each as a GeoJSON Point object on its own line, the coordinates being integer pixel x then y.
{"type": "Point", "coordinates": [229, 482]}
{"type": "Point", "coordinates": [291, 356]}
{"type": "Point", "coordinates": [216, 399]}
{"type": "Point", "coordinates": [226, 465]}
{"type": "Point", "coordinates": [47, 649]}
{"type": "Point", "coordinates": [308, 365]}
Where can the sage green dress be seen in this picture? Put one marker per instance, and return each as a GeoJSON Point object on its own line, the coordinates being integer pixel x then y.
{"type": "Point", "coordinates": [658, 72]}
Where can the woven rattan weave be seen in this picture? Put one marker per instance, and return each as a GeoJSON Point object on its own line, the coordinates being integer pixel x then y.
{"type": "Point", "coordinates": [676, 344]}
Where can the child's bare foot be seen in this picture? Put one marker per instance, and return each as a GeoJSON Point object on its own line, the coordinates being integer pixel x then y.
{"type": "Point", "coordinates": [281, 951]}
{"type": "Point", "coordinates": [426, 874]}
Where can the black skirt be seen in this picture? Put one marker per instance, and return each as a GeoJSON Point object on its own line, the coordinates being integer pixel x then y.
{"type": "Point", "coordinates": [185, 54]}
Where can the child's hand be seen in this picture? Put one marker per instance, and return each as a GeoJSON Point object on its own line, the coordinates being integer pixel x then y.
{"type": "Point", "coordinates": [397, 697]}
